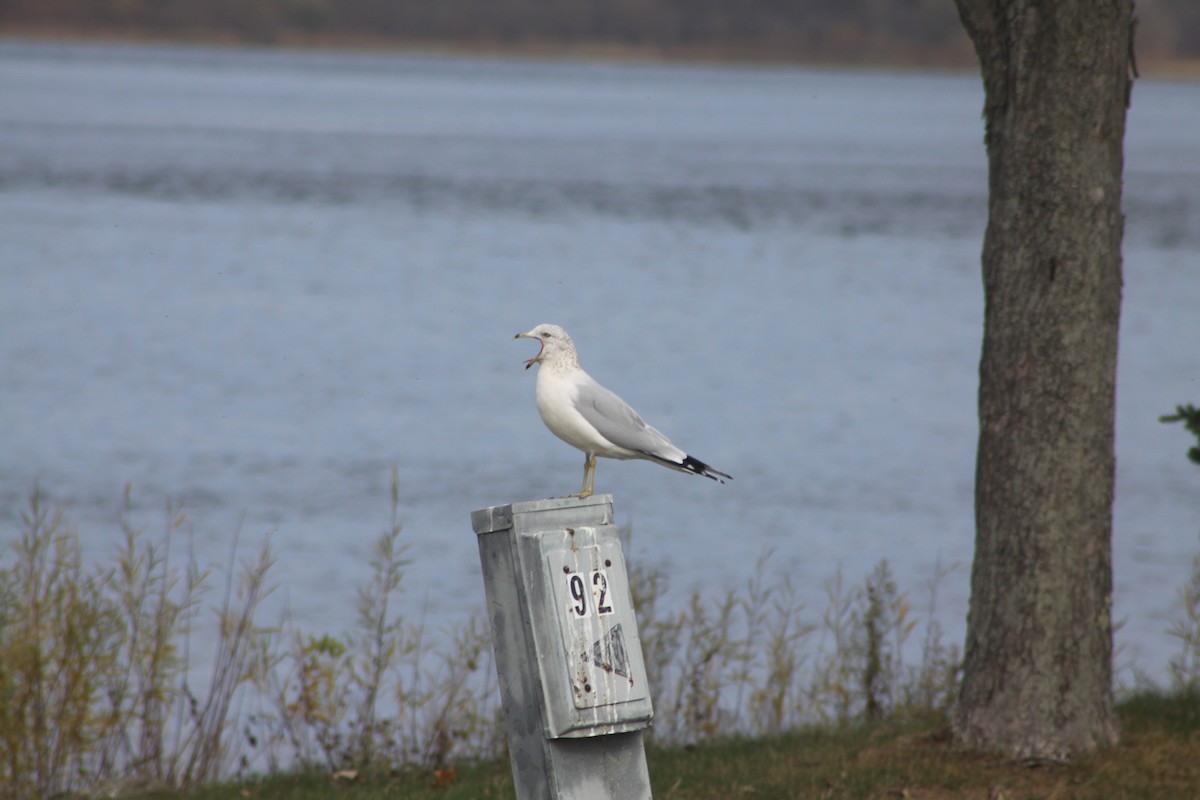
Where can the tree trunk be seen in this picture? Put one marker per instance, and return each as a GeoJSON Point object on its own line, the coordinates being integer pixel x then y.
{"type": "Point", "coordinates": [1037, 673]}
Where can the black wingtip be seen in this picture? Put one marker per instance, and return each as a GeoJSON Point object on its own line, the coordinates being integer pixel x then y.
{"type": "Point", "coordinates": [698, 467]}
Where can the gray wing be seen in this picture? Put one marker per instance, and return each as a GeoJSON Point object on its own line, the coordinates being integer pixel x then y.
{"type": "Point", "coordinates": [621, 425]}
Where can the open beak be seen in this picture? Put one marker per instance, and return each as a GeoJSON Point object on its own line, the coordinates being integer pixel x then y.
{"type": "Point", "coordinates": [541, 346]}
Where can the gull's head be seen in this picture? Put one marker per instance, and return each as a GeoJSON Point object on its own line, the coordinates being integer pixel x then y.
{"type": "Point", "coordinates": [556, 346]}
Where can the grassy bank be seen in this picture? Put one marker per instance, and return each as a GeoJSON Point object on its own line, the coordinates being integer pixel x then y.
{"type": "Point", "coordinates": [99, 684]}
{"type": "Point", "coordinates": [1159, 757]}
{"type": "Point", "coordinates": [755, 695]}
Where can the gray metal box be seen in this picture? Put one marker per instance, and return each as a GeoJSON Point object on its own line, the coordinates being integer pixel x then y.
{"type": "Point", "coordinates": [578, 633]}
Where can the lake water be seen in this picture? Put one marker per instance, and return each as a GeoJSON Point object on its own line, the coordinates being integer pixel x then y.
{"type": "Point", "coordinates": [256, 281]}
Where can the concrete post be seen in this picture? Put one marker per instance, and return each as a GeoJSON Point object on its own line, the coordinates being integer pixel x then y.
{"type": "Point", "coordinates": [572, 677]}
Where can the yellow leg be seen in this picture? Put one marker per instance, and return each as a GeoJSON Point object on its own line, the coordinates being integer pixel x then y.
{"type": "Point", "coordinates": [589, 477]}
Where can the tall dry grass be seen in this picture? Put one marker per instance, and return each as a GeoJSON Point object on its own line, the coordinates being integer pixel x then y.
{"type": "Point", "coordinates": [752, 660]}
{"type": "Point", "coordinates": [101, 692]}
{"type": "Point", "coordinates": [388, 693]}
{"type": "Point", "coordinates": [101, 689]}
{"type": "Point", "coordinates": [94, 693]}
{"type": "Point", "coordinates": [1185, 665]}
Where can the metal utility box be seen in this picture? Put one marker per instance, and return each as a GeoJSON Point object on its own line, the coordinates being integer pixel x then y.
{"type": "Point", "coordinates": [585, 633]}
{"type": "Point", "coordinates": [567, 649]}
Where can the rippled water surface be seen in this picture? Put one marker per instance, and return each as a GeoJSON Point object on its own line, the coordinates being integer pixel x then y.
{"type": "Point", "coordinates": [257, 281]}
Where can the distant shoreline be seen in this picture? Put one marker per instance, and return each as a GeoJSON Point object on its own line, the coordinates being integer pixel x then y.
{"type": "Point", "coordinates": [755, 54]}
{"type": "Point", "coordinates": [598, 50]}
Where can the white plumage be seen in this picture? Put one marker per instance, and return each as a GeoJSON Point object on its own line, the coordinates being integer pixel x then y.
{"type": "Point", "coordinates": [589, 417]}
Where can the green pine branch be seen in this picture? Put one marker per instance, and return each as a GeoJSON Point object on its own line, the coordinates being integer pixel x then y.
{"type": "Point", "coordinates": [1189, 415]}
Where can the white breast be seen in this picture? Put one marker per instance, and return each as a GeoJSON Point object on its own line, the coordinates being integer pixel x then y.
{"type": "Point", "coordinates": [556, 393]}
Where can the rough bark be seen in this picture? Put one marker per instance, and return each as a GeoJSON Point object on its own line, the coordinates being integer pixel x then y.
{"type": "Point", "coordinates": [1037, 674]}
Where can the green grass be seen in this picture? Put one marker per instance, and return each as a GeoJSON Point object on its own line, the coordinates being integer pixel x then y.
{"type": "Point", "coordinates": [1155, 760]}
{"type": "Point", "coordinates": [1158, 759]}
{"type": "Point", "coordinates": [490, 779]}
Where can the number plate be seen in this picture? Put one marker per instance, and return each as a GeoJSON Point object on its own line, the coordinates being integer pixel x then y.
{"type": "Point", "coordinates": [597, 623]}
{"type": "Point", "coordinates": [589, 593]}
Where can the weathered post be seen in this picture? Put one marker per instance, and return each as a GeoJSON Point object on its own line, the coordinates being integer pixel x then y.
{"type": "Point", "coordinates": [572, 678]}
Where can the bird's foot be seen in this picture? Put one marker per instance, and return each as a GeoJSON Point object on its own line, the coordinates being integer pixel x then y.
{"type": "Point", "coordinates": [583, 494]}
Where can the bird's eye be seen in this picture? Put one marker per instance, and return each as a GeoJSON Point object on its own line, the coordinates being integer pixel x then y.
{"type": "Point", "coordinates": [545, 334]}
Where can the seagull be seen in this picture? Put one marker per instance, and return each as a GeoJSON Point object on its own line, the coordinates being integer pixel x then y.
{"type": "Point", "coordinates": [589, 417]}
